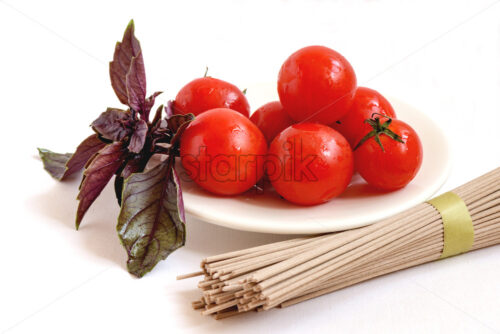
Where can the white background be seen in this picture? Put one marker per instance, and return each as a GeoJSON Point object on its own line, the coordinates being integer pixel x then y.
{"type": "Point", "coordinates": [441, 56]}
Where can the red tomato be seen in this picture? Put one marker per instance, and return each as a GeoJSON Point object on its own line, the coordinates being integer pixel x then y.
{"type": "Point", "coordinates": [223, 152]}
{"type": "Point", "coordinates": [271, 119]}
{"type": "Point", "coordinates": [366, 102]}
{"type": "Point", "coordinates": [316, 84]}
{"type": "Point", "coordinates": [392, 163]}
{"type": "Point", "coordinates": [309, 163]}
{"type": "Point", "coordinates": [208, 93]}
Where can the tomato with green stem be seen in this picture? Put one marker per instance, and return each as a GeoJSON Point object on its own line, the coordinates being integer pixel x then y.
{"type": "Point", "coordinates": [366, 102]}
{"type": "Point", "coordinates": [388, 154]}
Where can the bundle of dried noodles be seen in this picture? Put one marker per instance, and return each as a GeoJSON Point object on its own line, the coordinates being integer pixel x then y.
{"type": "Point", "coordinates": [288, 272]}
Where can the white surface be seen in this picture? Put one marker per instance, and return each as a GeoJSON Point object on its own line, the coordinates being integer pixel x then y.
{"type": "Point", "coordinates": [358, 206]}
{"type": "Point", "coordinates": [440, 56]}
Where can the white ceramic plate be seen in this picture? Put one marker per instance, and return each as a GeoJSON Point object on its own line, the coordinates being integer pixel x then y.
{"type": "Point", "coordinates": [360, 205]}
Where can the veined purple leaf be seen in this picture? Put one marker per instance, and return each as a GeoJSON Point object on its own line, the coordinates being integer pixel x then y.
{"type": "Point", "coordinates": [180, 200]}
{"type": "Point", "coordinates": [177, 124]}
{"type": "Point", "coordinates": [125, 50]}
{"type": "Point", "coordinates": [114, 124]}
{"type": "Point", "coordinates": [136, 164]}
{"type": "Point", "coordinates": [148, 104]}
{"type": "Point", "coordinates": [138, 137]}
{"type": "Point", "coordinates": [157, 117]}
{"type": "Point", "coordinates": [151, 221]}
{"type": "Point", "coordinates": [60, 166]}
{"type": "Point", "coordinates": [176, 121]}
{"type": "Point", "coordinates": [97, 174]}
{"type": "Point", "coordinates": [54, 163]}
{"type": "Point", "coordinates": [86, 150]}
{"type": "Point", "coordinates": [135, 82]}
{"type": "Point", "coordinates": [169, 109]}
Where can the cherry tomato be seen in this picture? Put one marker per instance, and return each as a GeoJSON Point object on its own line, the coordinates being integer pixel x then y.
{"type": "Point", "coordinates": [366, 102]}
{"type": "Point", "coordinates": [223, 151]}
{"type": "Point", "coordinates": [391, 161]}
{"type": "Point", "coordinates": [208, 93]}
{"type": "Point", "coordinates": [309, 163]}
{"type": "Point", "coordinates": [271, 119]}
{"type": "Point", "coordinates": [316, 84]}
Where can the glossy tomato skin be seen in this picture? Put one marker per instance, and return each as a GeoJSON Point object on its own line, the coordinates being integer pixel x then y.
{"type": "Point", "coordinates": [223, 151]}
{"type": "Point", "coordinates": [271, 119]}
{"type": "Point", "coordinates": [366, 102]}
{"type": "Point", "coordinates": [309, 163]}
{"type": "Point", "coordinates": [394, 167]}
{"type": "Point", "coordinates": [207, 93]}
{"type": "Point", "coordinates": [316, 84]}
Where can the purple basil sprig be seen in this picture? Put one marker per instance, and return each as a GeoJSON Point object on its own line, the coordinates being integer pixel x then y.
{"type": "Point", "coordinates": [151, 223]}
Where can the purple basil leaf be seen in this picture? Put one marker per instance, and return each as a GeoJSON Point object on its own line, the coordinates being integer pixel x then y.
{"type": "Point", "coordinates": [157, 117]}
{"type": "Point", "coordinates": [125, 50]}
{"type": "Point", "coordinates": [60, 166]}
{"type": "Point", "coordinates": [86, 150]}
{"type": "Point", "coordinates": [97, 174]}
{"type": "Point", "coordinates": [177, 124]}
{"type": "Point", "coordinates": [114, 124]}
{"type": "Point", "coordinates": [135, 81]}
{"type": "Point", "coordinates": [54, 163]}
{"type": "Point", "coordinates": [180, 201]}
{"type": "Point", "coordinates": [136, 164]}
{"type": "Point", "coordinates": [148, 104]}
{"type": "Point", "coordinates": [138, 137]}
{"type": "Point", "coordinates": [151, 223]}
{"type": "Point", "coordinates": [169, 109]}
{"type": "Point", "coordinates": [176, 121]}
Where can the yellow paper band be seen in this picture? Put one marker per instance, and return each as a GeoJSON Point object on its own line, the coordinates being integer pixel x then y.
{"type": "Point", "coordinates": [457, 224]}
